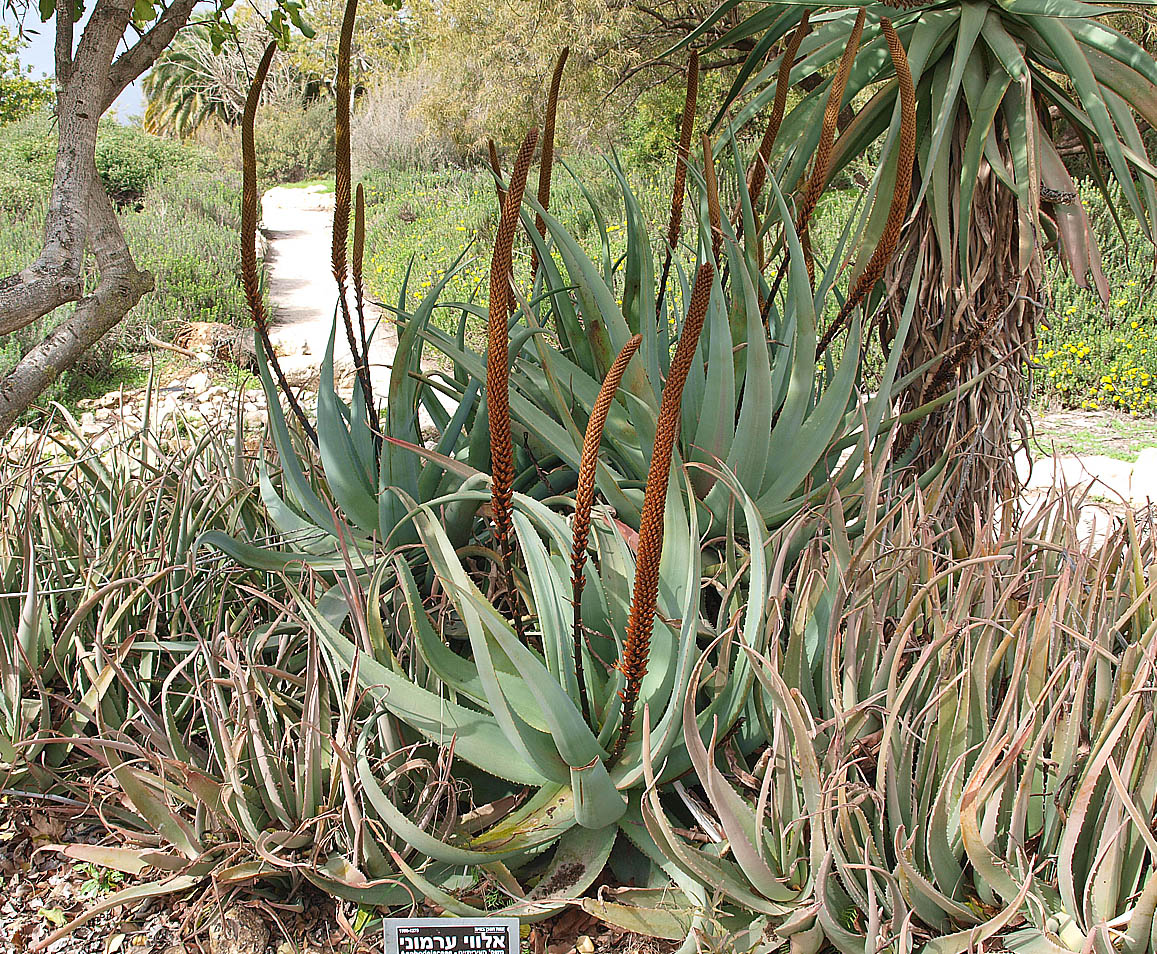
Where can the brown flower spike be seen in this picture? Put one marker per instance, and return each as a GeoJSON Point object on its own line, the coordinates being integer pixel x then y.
{"type": "Point", "coordinates": [675, 224]}
{"type": "Point", "coordinates": [359, 256]}
{"type": "Point", "coordinates": [897, 211]}
{"type": "Point", "coordinates": [714, 213]}
{"type": "Point", "coordinates": [496, 169]}
{"type": "Point", "coordinates": [757, 173]}
{"type": "Point", "coordinates": [249, 273]}
{"type": "Point", "coordinates": [641, 622]}
{"type": "Point", "coordinates": [498, 361]}
{"type": "Point", "coordinates": [585, 497]}
{"type": "Point", "coordinates": [820, 169]}
{"type": "Point", "coordinates": [341, 205]}
{"type": "Point", "coordinates": [546, 165]}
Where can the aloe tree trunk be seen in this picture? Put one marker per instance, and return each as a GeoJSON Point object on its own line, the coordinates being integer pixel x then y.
{"type": "Point", "coordinates": [979, 323]}
{"type": "Point", "coordinates": [80, 215]}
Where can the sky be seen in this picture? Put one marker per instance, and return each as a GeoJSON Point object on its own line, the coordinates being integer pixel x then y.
{"type": "Point", "coordinates": [38, 54]}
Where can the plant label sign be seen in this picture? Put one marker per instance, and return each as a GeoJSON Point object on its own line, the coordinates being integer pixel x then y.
{"type": "Point", "coordinates": [406, 935]}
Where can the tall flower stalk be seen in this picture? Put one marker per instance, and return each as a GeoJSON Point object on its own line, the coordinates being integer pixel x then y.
{"type": "Point", "coordinates": [498, 368]}
{"type": "Point", "coordinates": [683, 154]}
{"type": "Point", "coordinates": [641, 622]}
{"type": "Point", "coordinates": [249, 274]}
{"type": "Point", "coordinates": [341, 210]}
{"type": "Point", "coordinates": [585, 497]}
{"type": "Point", "coordinates": [546, 164]}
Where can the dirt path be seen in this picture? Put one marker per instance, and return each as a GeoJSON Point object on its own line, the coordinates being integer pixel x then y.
{"type": "Point", "coordinates": [298, 227]}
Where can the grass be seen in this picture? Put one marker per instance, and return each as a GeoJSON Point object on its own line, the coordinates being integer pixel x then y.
{"type": "Point", "coordinates": [1084, 433]}
{"type": "Point", "coordinates": [318, 185]}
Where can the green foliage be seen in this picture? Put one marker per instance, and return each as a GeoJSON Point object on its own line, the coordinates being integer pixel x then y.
{"type": "Point", "coordinates": [292, 144]}
{"type": "Point", "coordinates": [973, 63]}
{"type": "Point", "coordinates": [98, 880]}
{"type": "Point", "coordinates": [295, 145]}
{"type": "Point", "coordinates": [419, 223]}
{"type": "Point", "coordinates": [651, 127]}
{"type": "Point", "coordinates": [27, 156]}
{"type": "Point", "coordinates": [129, 160]}
{"type": "Point", "coordinates": [195, 82]}
{"type": "Point", "coordinates": [20, 95]}
{"type": "Point", "coordinates": [437, 652]}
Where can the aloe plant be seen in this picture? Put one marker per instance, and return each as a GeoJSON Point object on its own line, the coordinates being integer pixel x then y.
{"type": "Point", "coordinates": [103, 552]}
{"type": "Point", "coordinates": [1012, 100]}
{"type": "Point", "coordinates": [958, 750]}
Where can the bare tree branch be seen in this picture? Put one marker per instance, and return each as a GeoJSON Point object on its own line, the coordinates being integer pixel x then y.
{"type": "Point", "coordinates": [63, 51]}
{"type": "Point", "coordinates": [140, 56]}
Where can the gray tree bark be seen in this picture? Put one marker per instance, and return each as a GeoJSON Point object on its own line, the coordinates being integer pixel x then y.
{"type": "Point", "coordinates": [80, 214]}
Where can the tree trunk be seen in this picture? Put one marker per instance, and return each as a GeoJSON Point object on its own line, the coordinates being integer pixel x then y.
{"type": "Point", "coordinates": [80, 214]}
{"type": "Point", "coordinates": [983, 326]}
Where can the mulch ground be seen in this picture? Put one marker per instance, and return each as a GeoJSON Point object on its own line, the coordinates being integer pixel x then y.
{"type": "Point", "coordinates": [41, 890]}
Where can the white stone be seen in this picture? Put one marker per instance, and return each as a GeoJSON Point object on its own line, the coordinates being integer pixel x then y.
{"type": "Point", "coordinates": [197, 382]}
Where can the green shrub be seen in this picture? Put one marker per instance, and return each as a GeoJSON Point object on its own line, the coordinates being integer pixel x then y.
{"type": "Point", "coordinates": [20, 95]}
{"type": "Point", "coordinates": [295, 145]}
{"type": "Point", "coordinates": [27, 155]}
{"type": "Point", "coordinates": [291, 144]}
{"type": "Point", "coordinates": [1096, 357]}
{"type": "Point", "coordinates": [129, 160]}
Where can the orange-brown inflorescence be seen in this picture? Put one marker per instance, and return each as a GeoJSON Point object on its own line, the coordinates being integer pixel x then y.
{"type": "Point", "coordinates": [675, 224]}
{"type": "Point", "coordinates": [249, 274]}
{"type": "Point", "coordinates": [641, 622]}
{"type": "Point", "coordinates": [714, 213]}
{"type": "Point", "coordinates": [898, 209]}
{"type": "Point", "coordinates": [498, 359]}
{"type": "Point", "coordinates": [496, 169]}
{"type": "Point", "coordinates": [757, 173]}
{"type": "Point", "coordinates": [820, 169]}
{"type": "Point", "coordinates": [341, 202]}
{"type": "Point", "coordinates": [546, 165]}
{"type": "Point", "coordinates": [585, 497]}
{"type": "Point", "coordinates": [359, 256]}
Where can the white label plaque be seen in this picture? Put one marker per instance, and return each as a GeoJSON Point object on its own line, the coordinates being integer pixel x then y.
{"type": "Point", "coordinates": [407, 935]}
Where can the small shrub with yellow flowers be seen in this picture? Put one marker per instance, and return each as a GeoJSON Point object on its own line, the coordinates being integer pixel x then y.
{"type": "Point", "coordinates": [1097, 357]}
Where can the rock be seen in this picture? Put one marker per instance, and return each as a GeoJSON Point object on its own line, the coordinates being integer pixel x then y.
{"type": "Point", "coordinates": [197, 382]}
{"type": "Point", "coordinates": [584, 945]}
{"type": "Point", "coordinates": [301, 374]}
{"type": "Point", "coordinates": [1143, 487]}
{"type": "Point", "coordinates": [254, 418]}
{"type": "Point", "coordinates": [239, 931]}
